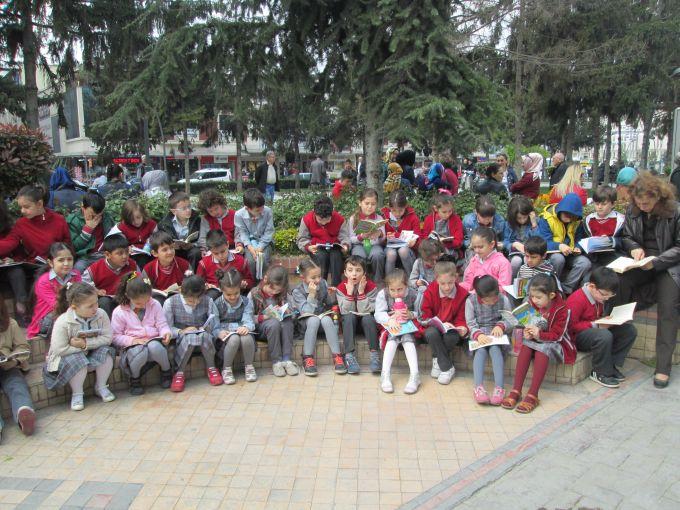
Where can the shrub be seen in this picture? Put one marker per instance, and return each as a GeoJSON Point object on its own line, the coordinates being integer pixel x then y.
{"type": "Point", "coordinates": [291, 207]}
{"type": "Point", "coordinates": [25, 157]}
{"type": "Point", "coordinates": [284, 241]}
{"type": "Point", "coordinates": [156, 205]}
{"type": "Point", "coordinates": [287, 183]}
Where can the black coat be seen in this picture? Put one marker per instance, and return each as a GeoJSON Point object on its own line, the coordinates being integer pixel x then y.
{"type": "Point", "coordinates": [261, 177]}
{"type": "Point", "coordinates": [491, 186]}
{"type": "Point", "coordinates": [165, 225]}
{"type": "Point", "coordinates": [558, 173]}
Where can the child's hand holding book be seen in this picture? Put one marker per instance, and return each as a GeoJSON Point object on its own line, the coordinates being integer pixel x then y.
{"type": "Point", "coordinates": [497, 331]}
{"type": "Point", "coordinates": [531, 332]}
{"type": "Point", "coordinates": [78, 342]}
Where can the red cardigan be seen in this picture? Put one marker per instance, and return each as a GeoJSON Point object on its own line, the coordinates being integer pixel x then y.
{"type": "Point", "coordinates": [207, 268]}
{"type": "Point", "coordinates": [432, 304]}
{"type": "Point", "coordinates": [455, 228]}
{"type": "Point", "coordinates": [409, 221]}
{"type": "Point", "coordinates": [35, 236]}
{"type": "Point", "coordinates": [161, 280]}
{"type": "Point", "coordinates": [558, 319]}
{"type": "Point", "coordinates": [105, 279]}
{"type": "Point", "coordinates": [226, 225]}
{"type": "Point", "coordinates": [320, 234]}
{"type": "Point", "coordinates": [583, 312]}
{"type": "Point", "coordinates": [137, 236]}
{"type": "Point", "coordinates": [527, 186]}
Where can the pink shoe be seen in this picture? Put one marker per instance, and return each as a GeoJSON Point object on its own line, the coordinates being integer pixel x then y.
{"type": "Point", "coordinates": [481, 396]}
{"type": "Point", "coordinates": [498, 396]}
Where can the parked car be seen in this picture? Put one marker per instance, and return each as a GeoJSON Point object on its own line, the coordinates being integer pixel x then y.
{"type": "Point", "coordinates": [209, 174]}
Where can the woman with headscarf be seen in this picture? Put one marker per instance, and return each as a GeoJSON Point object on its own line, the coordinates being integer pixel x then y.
{"type": "Point", "coordinates": [530, 183]}
{"type": "Point", "coordinates": [64, 193]}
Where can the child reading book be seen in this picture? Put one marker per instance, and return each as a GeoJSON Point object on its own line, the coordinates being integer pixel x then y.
{"type": "Point", "coordinates": [368, 242]}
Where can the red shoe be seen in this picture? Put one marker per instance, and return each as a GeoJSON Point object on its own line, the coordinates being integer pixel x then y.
{"type": "Point", "coordinates": [177, 382]}
{"type": "Point", "coordinates": [215, 377]}
{"type": "Point", "coordinates": [26, 419]}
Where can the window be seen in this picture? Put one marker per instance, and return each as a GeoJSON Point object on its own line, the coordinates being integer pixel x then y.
{"type": "Point", "coordinates": [71, 113]}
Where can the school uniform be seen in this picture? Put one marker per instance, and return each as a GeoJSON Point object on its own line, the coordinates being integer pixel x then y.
{"type": "Point", "coordinates": [258, 233]}
{"type": "Point", "coordinates": [208, 266]}
{"type": "Point", "coordinates": [231, 317]}
{"type": "Point", "coordinates": [384, 303]}
{"type": "Point", "coordinates": [163, 277]}
{"type": "Point", "coordinates": [46, 290]}
{"type": "Point", "coordinates": [225, 223]}
{"type": "Point", "coordinates": [278, 334]}
{"type": "Point", "coordinates": [357, 309]}
{"type": "Point", "coordinates": [374, 253]}
{"type": "Point", "coordinates": [302, 303]}
{"type": "Point", "coordinates": [103, 276]}
{"type": "Point", "coordinates": [312, 233]}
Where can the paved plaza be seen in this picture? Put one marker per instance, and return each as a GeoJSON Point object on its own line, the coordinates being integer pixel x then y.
{"type": "Point", "coordinates": [338, 442]}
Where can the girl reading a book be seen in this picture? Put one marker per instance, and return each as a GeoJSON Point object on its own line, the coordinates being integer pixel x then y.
{"type": "Point", "coordinates": [445, 225]}
{"type": "Point", "coordinates": [545, 339]}
{"type": "Point", "coordinates": [237, 325]}
{"type": "Point", "coordinates": [522, 223]}
{"type": "Point", "coordinates": [367, 233]}
{"type": "Point", "coordinates": [395, 311]}
{"type": "Point", "coordinates": [192, 318]}
{"type": "Point", "coordinates": [486, 260]}
{"type": "Point", "coordinates": [141, 332]}
{"type": "Point", "coordinates": [486, 325]}
{"type": "Point", "coordinates": [401, 218]}
{"type": "Point", "coordinates": [273, 319]}
{"type": "Point", "coordinates": [137, 226]}
{"type": "Point", "coordinates": [81, 343]}
{"type": "Point", "coordinates": [312, 300]}
{"type": "Point", "coordinates": [53, 277]}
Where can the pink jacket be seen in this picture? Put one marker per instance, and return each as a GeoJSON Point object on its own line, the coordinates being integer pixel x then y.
{"type": "Point", "coordinates": [46, 292]}
{"type": "Point", "coordinates": [126, 325]}
{"type": "Point", "coordinates": [495, 265]}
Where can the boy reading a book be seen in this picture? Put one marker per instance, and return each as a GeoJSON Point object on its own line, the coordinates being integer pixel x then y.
{"type": "Point", "coordinates": [484, 215]}
{"type": "Point", "coordinates": [255, 230]}
{"type": "Point", "coordinates": [181, 222]}
{"type": "Point", "coordinates": [220, 258]}
{"type": "Point", "coordinates": [324, 234]}
{"type": "Point", "coordinates": [609, 344]}
{"type": "Point", "coordinates": [443, 309]}
{"type": "Point", "coordinates": [604, 223]}
{"type": "Point", "coordinates": [166, 270]}
{"type": "Point", "coordinates": [535, 250]}
{"type": "Point", "coordinates": [105, 274]}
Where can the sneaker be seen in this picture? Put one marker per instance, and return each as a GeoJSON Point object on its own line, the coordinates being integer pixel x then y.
{"type": "Point", "coordinates": [251, 375]}
{"type": "Point", "coordinates": [77, 402]}
{"type": "Point", "coordinates": [447, 376]}
{"type": "Point", "coordinates": [228, 376]}
{"type": "Point", "coordinates": [436, 371]}
{"type": "Point", "coordinates": [386, 383]}
{"type": "Point", "coordinates": [166, 378]}
{"type": "Point", "coordinates": [352, 363]}
{"type": "Point", "coordinates": [604, 380]}
{"type": "Point", "coordinates": [339, 363]}
{"type": "Point", "coordinates": [413, 384]}
{"type": "Point", "coordinates": [481, 396]}
{"type": "Point", "coordinates": [214, 376]}
{"type": "Point", "coordinates": [291, 367]}
{"type": "Point", "coordinates": [105, 393]}
{"type": "Point", "coordinates": [177, 384]}
{"type": "Point", "coordinates": [26, 419]}
{"type": "Point", "coordinates": [375, 364]}
{"type": "Point", "coordinates": [309, 366]}
{"type": "Point", "coordinates": [618, 375]}
{"type": "Point", "coordinates": [136, 387]}
{"type": "Point", "coordinates": [278, 369]}
{"type": "Point", "coordinates": [497, 396]}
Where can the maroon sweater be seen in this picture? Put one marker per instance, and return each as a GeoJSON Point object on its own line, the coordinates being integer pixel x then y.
{"type": "Point", "coordinates": [36, 235]}
{"type": "Point", "coordinates": [105, 278]}
{"type": "Point", "coordinates": [137, 236]}
{"type": "Point", "coordinates": [207, 268]}
{"type": "Point", "coordinates": [447, 309]}
{"type": "Point", "coordinates": [162, 278]}
{"type": "Point", "coordinates": [583, 312]}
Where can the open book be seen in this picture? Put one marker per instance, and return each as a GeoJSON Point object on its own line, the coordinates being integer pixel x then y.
{"type": "Point", "coordinates": [441, 238]}
{"type": "Point", "coordinates": [146, 250]}
{"type": "Point", "coordinates": [173, 289]}
{"type": "Point", "coordinates": [518, 289]}
{"type": "Point", "coordinates": [188, 239]}
{"type": "Point", "coordinates": [328, 246]}
{"type": "Point", "coordinates": [404, 329]}
{"type": "Point", "coordinates": [9, 262]}
{"type": "Point", "coordinates": [204, 328]}
{"type": "Point", "coordinates": [523, 315]}
{"type": "Point", "coordinates": [14, 355]}
{"type": "Point", "coordinates": [623, 264]}
{"type": "Point", "coordinates": [275, 312]}
{"type": "Point", "coordinates": [369, 226]}
{"type": "Point", "coordinates": [620, 315]}
{"type": "Point", "coordinates": [436, 322]}
{"type": "Point", "coordinates": [597, 244]}
{"type": "Point", "coordinates": [495, 340]}
{"type": "Point", "coordinates": [320, 315]}
{"type": "Point", "coordinates": [404, 238]}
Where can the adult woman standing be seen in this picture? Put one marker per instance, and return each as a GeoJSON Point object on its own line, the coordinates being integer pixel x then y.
{"type": "Point", "coordinates": [530, 183]}
{"type": "Point", "coordinates": [570, 183]}
{"type": "Point", "coordinates": [493, 183]}
{"type": "Point", "coordinates": [652, 228]}
{"type": "Point", "coordinates": [509, 175]}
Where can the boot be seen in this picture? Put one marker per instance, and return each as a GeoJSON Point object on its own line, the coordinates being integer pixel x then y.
{"type": "Point", "coordinates": [136, 387]}
{"type": "Point", "coordinates": [166, 379]}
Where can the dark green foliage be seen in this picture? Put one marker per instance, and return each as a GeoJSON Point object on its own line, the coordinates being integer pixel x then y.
{"type": "Point", "coordinates": [25, 158]}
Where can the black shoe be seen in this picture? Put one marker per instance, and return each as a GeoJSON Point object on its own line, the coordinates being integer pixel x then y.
{"type": "Point", "coordinates": [604, 380]}
{"type": "Point", "coordinates": [309, 366]}
{"type": "Point", "coordinates": [618, 375]}
{"type": "Point", "coordinates": [658, 383]}
{"type": "Point", "coordinates": [166, 379]}
{"type": "Point", "coordinates": [136, 387]}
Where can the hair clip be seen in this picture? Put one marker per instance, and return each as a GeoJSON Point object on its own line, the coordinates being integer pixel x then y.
{"type": "Point", "coordinates": [68, 285]}
{"type": "Point", "coordinates": [132, 276]}
{"type": "Point", "coordinates": [147, 281]}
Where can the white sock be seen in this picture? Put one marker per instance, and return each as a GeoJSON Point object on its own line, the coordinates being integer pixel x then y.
{"type": "Point", "coordinates": [411, 357]}
{"type": "Point", "coordinates": [388, 355]}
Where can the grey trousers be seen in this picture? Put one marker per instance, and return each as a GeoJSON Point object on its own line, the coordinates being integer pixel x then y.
{"type": "Point", "coordinates": [405, 254]}
{"type": "Point", "coordinates": [310, 326]}
{"type": "Point", "coordinates": [140, 355]}
{"type": "Point", "coordinates": [376, 257]}
{"type": "Point", "coordinates": [231, 345]}
{"type": "Point", "coordinates": [251, 261]}
{"type": "Point", "coordinates": [279, 336]}
{"type": "Point", "coordinates": [609, 346]}
{"type": "Point", "coordinates": [350, 324]}
{"type": "Point", "coordinates": [14, 385]}
{"type": "Point", "coordinates": [576, 267]}
{"type": "Point", "coordinates": [515, 263]}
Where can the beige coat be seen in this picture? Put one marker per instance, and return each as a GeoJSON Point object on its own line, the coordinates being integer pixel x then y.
{"type": "Point", "coordinates": [12, 340]}
{"type": "Point", "coordinates": [67, 327]}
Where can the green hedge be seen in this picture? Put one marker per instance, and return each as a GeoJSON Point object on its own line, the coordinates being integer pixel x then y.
{"type": "Point", "coordinates": [230, 187]}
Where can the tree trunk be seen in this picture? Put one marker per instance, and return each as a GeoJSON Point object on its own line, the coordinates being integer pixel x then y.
{"type": "Point", "coordinates": [30, 53]}
{"type": "Point", "coordinates": [571, 129]}
{"type": "Point", "coordinates": [165, 159]}
{"type": "Point", "coordinates": [670, 157]}
{"type": "Point", "coordinates": [373, 154]}
{"type": "Point", "coordinates": [607, 150]}
{"type": "Point", "coordinates": [619, 151]}
{"type": "Point", "coordinates": [186, 161]}
{"type": "Point", "coordinates": [237, 170]}
{"type": "Point", "coordinates": [296, 150]}
{"type": "Point", "coordinates": [519, 93]}
{"type": "Point", "coordinates": [596, 149]}
{"type": "Point", "coordinates": [646, 132]}
{"type": "Point", "coordinates": [563, 141]}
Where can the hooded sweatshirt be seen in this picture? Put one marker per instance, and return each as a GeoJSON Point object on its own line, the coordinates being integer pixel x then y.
{"type": "Point", "coordinates": [553, 230]}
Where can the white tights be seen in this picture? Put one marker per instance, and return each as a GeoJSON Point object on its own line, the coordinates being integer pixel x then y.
{"type": "Point", "coordinates": [391, 350]}
{"type": "Point", "coordinates": [103, 372]}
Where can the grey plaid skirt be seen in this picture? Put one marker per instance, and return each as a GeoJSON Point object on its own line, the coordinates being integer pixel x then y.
{"type": "Point", "coordinates": [189, 341]}
{"type": "Point", "coordinates": [73, 363]}
{"type": "Point", "coordinates": [551, 349]}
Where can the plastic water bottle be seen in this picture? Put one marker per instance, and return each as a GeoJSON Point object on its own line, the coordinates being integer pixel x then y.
{"type": "Point", "coordinates": [399, 305]}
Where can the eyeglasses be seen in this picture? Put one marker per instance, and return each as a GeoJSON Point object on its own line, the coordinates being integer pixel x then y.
{"type": "Point", "coordinates": [605, 295]}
